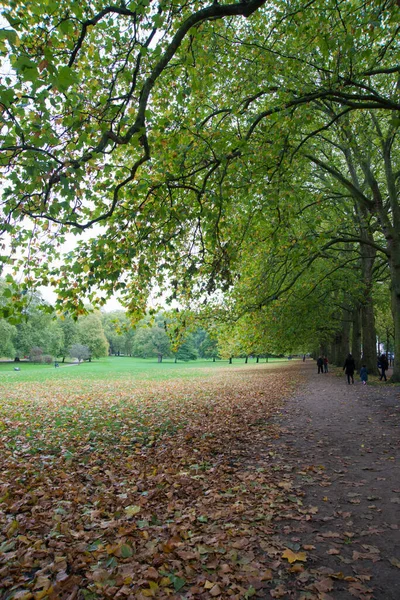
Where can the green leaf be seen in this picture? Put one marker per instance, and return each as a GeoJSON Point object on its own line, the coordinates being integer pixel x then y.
{"type": "Point", "coordinates": [126, 551]}
{"type": "Point", "coordinates": [65, 78]}
{"type": "Point", "coordinates": [9, 35]}
{"type": "Point", "coordinates": [177, 582]}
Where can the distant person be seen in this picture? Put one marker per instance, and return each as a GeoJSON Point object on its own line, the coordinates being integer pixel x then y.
{"type": "Point", "coordinates": [320, 365]}
{"type": "Point", "coordinates": [349, 368]}
{"type": "Point", "coordinates": [384, 366]}
{"type": "Point", "coordinates": [325, 364]}
{"type": "Point", "coordinates": [364, 374]}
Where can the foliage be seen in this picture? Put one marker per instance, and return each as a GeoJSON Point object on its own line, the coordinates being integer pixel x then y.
{"type": "Point", "coordinates": [69, 328]}
{"type": "Point", "coordinates": [273, 142]}
{"type": "Point", "coordinates": [80, 352]}
{"type": "Point", "coordinates": [7, 334]}
{"type": "Point", "coordinates": [119, 332]}
{"type": "Point", "coordinates": [186, 351]}
{"type": "Point", "coordinates": [150, 340]}
{"type": "Point", "coordinates": [36, 354]}
{"type": "Point", "coordinates": [91, 334]}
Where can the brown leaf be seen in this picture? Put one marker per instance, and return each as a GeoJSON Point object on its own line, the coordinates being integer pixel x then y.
{"type": "Point", "coordinates": [324, 585]}
{"type": "Point", "coordinates": [215, 591]}
{"type": "Point", "coordinates": [395, 562]}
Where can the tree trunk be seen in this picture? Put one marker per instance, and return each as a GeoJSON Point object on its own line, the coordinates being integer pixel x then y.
{"type": "Point", "coordinates": [395, 293]}
{"type": "Point", "coordinates": [369, 358]}
{"type": "Point", "coordinates": [356, 337]}
{"type": "Point", "coordinates": [368, 255]}
{"type": "Point", "coordinates": [246, 360]}
{"type": "Point", "coordinates": [342, 340]}
{"type": "Point", "coordinates": [159, 358]}
{"type": "Point", "coordinates": [258, 359]}
{"type": "Point", "coordinates": [230, 360]}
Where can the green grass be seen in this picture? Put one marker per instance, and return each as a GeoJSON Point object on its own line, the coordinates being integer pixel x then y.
{"type": "Point", "coordinates": [116, 368]}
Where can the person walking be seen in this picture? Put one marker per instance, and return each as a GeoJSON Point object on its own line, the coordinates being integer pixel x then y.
{"type": "Point", "coordinates": [325, 364]}
{"type": "Point", "coordinates": [364, 374]}
{"type": "Point", "coordinates": [320, 364]}
{"type": "Point", "coordinates": [349, 368]}
{"type": "Point", "coordinates": [384, 366]}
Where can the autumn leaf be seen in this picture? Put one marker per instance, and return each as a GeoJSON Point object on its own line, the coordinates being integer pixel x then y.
{"type": "Point", "coordinates": [132, 510]}
{"type": "Point", "coordinates": [292, 557]}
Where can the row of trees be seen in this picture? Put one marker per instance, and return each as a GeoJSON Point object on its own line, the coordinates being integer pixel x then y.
{"type": "Point", "coordinates": [242, 157]}
{"type": "Point", "coordinates": [41, 335]}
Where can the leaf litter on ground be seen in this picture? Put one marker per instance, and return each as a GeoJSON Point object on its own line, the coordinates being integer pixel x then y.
{"type": "Point", "coordinates": [137, 489]}
{"type": "Point", "coordinates": [128, 489]}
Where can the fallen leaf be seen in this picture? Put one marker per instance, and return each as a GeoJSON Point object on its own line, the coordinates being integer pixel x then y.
{"type": "Point", "coordinates": [292, 556]}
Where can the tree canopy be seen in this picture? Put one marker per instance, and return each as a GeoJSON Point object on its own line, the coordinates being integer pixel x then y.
{"type": "Point", "coordinates": [246, 152]}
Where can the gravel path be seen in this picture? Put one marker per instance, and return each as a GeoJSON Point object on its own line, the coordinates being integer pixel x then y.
{"type": "Point", "coordinates": [340, 444]}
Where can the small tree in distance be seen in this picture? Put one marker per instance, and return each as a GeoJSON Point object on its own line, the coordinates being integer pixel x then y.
{"type": "Point", "coordinates": [36, 354]}
{"type": "Point", "coordinates": [80, 352]}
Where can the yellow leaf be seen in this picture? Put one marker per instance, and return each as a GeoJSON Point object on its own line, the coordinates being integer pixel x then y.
{"type": "Point", "coordinates": [12, 528]}
{"type": "Point", "coordinates": [208, 585]}
{"type": "Point", "coordinates": [132, 510]}
{"type": "Point", "coordinates": [292, 556]}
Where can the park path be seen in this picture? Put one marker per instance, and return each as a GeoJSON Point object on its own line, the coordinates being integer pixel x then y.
{"type": "Point", "coordinates": [340, 448]}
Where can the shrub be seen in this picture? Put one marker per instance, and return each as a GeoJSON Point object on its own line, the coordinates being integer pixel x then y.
{"type": "Point", "coordinates": [36, 355]}
{"type": "Point", "coordinates": [47, 359]}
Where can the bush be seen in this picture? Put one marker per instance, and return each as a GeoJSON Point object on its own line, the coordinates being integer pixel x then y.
{"type": "Point", "coordinates": [47, 359]}
{"type": "Point", "coordinates": [36, 355]}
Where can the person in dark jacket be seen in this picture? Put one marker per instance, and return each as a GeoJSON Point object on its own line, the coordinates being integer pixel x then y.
{"type": "Point", "coordinates": [349, 368]}
{"type": "Point", "coordinates": [383, 361]}
{"type": "Point", "coordinates": [364, 374]}
{"type": "Point", "coordinates": [320, 364]}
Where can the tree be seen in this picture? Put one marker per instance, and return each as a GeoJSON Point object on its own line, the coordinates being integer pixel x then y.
{"type": "Point", "coordinates": [37, 328]}
{"type": "Point", "coordinates": [69, 328]}
{"type": "Point", "coordinates": [7, 333]}
{"type": "Point", "coordinates": [119, 332]}
{"type": "Point", "coordinates": [186, 351]}
{"type": "Point", "coordinates": [91, 334]}
{"type": "Point", "coordinates": [80, 352]}
{"type": "Point", "coordinates": [226, 108]}
{"type": "Point", "coordinates": [151, 339]}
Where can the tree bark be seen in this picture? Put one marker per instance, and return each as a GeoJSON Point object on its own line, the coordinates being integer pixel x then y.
{"type": "Point", "coordinates": [394, 264]}
{"type": "Point", "coordinates": [356, 337]}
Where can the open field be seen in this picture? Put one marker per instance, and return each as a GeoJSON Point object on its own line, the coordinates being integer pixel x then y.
{"type": "Point", "coordinates": [118, 478]}
{"type": "Point", "coordinates": [119, 367]}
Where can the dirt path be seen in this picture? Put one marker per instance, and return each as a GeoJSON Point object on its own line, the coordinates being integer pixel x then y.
{"type": "Point", "coordinates": [340, 446]}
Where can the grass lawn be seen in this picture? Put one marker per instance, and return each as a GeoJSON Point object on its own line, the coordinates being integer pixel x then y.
{"type": "Point", "coordinates": [118, 367]}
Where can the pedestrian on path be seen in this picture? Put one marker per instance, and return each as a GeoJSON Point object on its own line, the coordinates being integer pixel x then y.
{"type": "Point", "coordinates": [349, 368]}
{"type": "Point", "coordinates": [364, 374]}
{"type": "Point", "coordinates": [383, 361]}
{"type": "Point", "coordinates": [325, 364]}
{"type": "Point", "coordinates": [320, 364]}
